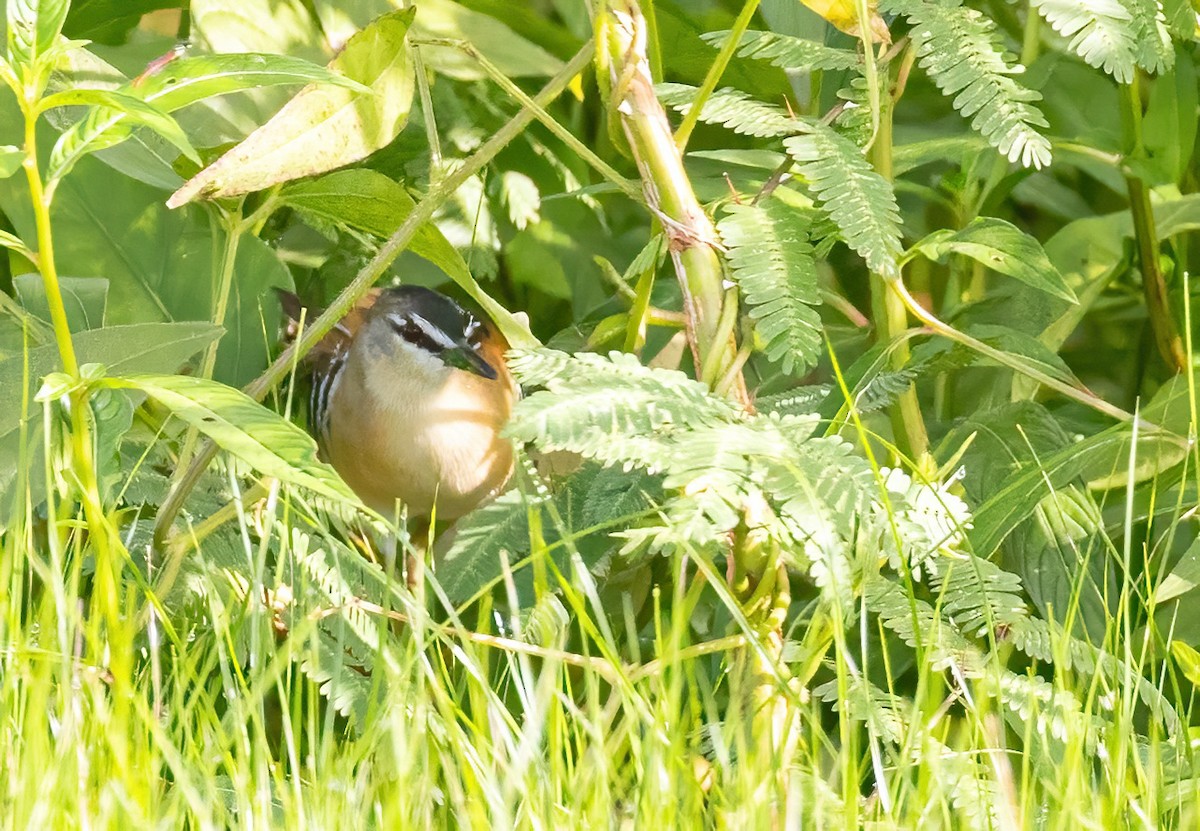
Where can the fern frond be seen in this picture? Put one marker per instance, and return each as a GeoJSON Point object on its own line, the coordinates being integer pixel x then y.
{"type": "Point", "coordinates": [859, 200]}
{"type": "Point", "coordinates": [1100, 31]}
{"type": "Point", "coordinates": [339, 657]}
{"type": "Point", "coordinates": [732, 109]}
{"type": "Point", "coordinates": [957, 46]}
{"type": "Point", "coordinates": [1053, 712]}
{"type": "Point", "coordinates": [786, 52]}
{"type": "Point", "coordinates": [882, 390]}
{"type": "Point", "coordinates": [968, 783]}
{"type": "Point", "coordinates": [773, 262]}
{"type": "Point", "coordinates": [611, 409]}
{"type": "Point", "coordinates": [798, 401]}
{"type": "Point", "coordinates": [1155, 52]}
{"type": "Point", "coordinates": [979, 596]}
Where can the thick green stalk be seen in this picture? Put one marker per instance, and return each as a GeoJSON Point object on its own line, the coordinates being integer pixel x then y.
{"type": "Point", "coordinates": [46, 263]}
{"type": "Point", "coordinates": [422, 212]}
{"type": "Point", "coordinates": [102, 536]}
{"type": "Point", "coordinates": [890, 317]}
{"type": "Point", "coordinates": [692, 239]}
{"type": "Point", "coordinates": [1154, 285]}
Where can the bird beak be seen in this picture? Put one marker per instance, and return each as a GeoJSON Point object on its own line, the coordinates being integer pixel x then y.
{"type": "Point", "coordinates": [464, 357]}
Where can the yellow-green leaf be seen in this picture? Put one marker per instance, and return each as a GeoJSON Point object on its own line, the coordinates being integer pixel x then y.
{"type": "Point", "coordinates": [240, 425]}
{"type": "Point", "coordinates": [323, 127]}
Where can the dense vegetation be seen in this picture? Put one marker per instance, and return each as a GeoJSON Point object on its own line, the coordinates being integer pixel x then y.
{"type": "Point", "coordinates": [858, 476]}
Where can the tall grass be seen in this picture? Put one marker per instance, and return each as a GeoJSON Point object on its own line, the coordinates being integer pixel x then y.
{"type": "Point", "coordinates": [566, 715]}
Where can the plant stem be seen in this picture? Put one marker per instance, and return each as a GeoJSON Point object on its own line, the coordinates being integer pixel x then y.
{"type": "Point", "coordinates": [713, 76]}
{"type": "Point", "coordinates": [1005, 359]}
{"type": "Point", "coordinates": [692, 239]}
{"type": "Point", "coordinates": [890, 318]}
{"type": "Point", "coordinates": [568, 138]}
{"type": "Point", "coordinates": [49, 270]}
{"type": "Point", "coordinates": [1154, 286]}
{"type": "Point", "coordinates": [422, 212]}
{"type": "Point", "coordinates": [1032, 40]}
{"type": "Point", "coordinates": [102, 536]}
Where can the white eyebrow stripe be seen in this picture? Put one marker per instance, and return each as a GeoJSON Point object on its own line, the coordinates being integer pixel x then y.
{"type": "Point", "coordinates": [432, 332]}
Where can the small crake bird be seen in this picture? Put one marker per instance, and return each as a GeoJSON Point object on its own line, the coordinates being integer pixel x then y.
{"type": "Point", "coordinates": [409, 394]}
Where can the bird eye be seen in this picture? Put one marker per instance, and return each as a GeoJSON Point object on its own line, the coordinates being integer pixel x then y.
{"type": "Point", "coordinates": [414, 334]}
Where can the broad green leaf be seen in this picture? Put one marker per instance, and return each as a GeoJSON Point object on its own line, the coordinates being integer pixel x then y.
{"type": "Point", "coordinates": [1003, 248]}
{"type": "Point", "coordinates": [1117, 464]}
{"type": "Point", "coordinates": [1170, 121]}
{"type": "Point", "coordinates": [366, 200]}
{"type": "Point", "coordinates": [369, 201]}
{"type": "Point", "coordinates": [159, 263]}
{"type": "Point", "coordinates": [11, 159]}
{"type": "Point", "coordinates": [33, 26]}
{"type": "Point", "coordinates": [180, 83]}
{"type": "Point", "coordinates": [240, 425]}
{"type": "Point", "coordinates": [512, 54]}
{"type": "Point", "coordinates": [144, 347]}
{"type": "Point", "coordinates": [85, 299]}
{"type": "Point", "coordinates": [110, 21]}
{"type": "Point", "coordinates": [188, 80]}
{"type": "Point", "coordinates": [1059, 551]}
{"type": "Point", "coordinates": [282, 27]}
{"type": "Point", "coordinates": [1184, 576]}
{"type": "Point", "coordinates": [492, 35]}
{"type": "Point", "coordinates": [108, 103]}
{"type": "Point", "coordinates": [1021, 492]}
{"type": "Point", "coordinates": [1188, 660]}
{"type": "Point", "coordinates": [323, 127]}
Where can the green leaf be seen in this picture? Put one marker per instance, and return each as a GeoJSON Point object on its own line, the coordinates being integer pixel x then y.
{"type": "Point", "coordinates": [181, 83]}
{"type": "Point", "coordinates": [772, 261]}
{"type": "Point", "coordinates": [1169, 127]}
{"type": "Point", "coordinates": [322, 127]}
{"type": "Point", "coordinates": [187, 80]}
{"type": "Point", "coordinates": [241, 426]}
{"type": "Point", "coordinates": [1100, 32]}
{"type": "Point", "coordinates": [72, 145]}
{"type": "Point", "coordinates": [958, 47]}
{"type": "Point", "coordinates": [369, 201]}
{"type": "Point", "coordinates": [482, 540]}
{"type": "Point", "coordinates": [159, 263]}
{"type": "Point", "coordinates": [366, 200]}
{"type": "Point", "coordinates": [1003, 248]}
{"type": "Point", "coordinates": [11, 159]}
{"type": "Point", "coordinates": [1188, 660]}
{"type": "Point", "coordinates": [786, 52]}
{"type": "Point", "coordinates": [512, 54]}
{"type": "Point", "coordinates": [858, 199]}
{"type": "Point", "coordinates": [33, 27]}
{"type": "Point", "coordinates": [110, 21]}
{"type": "Point", "coordinates": [85, 299]}
{"type": "Point", "coordinates": [144, 347]}
{"type": "Point", "coordinates": [1184, 576]}
{"type": "Point", "coordinates": [732, 109]}
{"type": "Point", "coordinates": [1123, 461]}
{"type": "Point", "coordinates": [282, 27]}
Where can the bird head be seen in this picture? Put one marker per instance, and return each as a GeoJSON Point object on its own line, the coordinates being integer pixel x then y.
{"type": "Point", "coordinates": [430, 328]}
